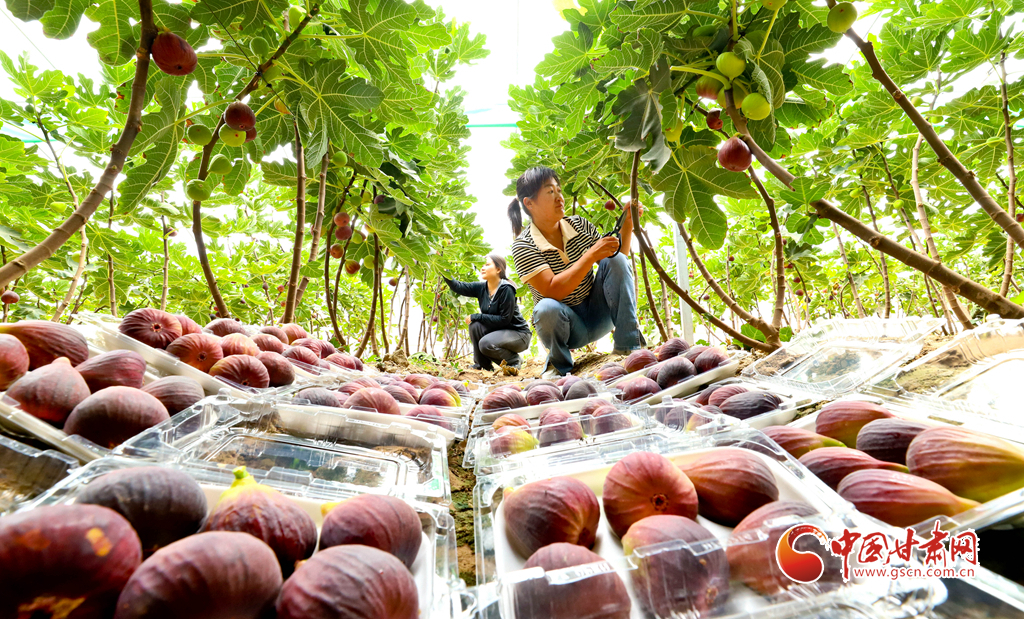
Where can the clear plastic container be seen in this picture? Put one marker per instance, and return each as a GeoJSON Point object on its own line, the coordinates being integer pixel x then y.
{"type": "Point", "coordinates": [793, 399]}
{"type": "Point", "coordinates": [104, 335]}
{"type": "Point", "coordinates": [435, 568]}
{"type": "Point", "coordinates": [331, 450]}
{"type": "Point", "coordinates": [495, 451]}
{"type": "Point", "coordinates": [1007, 509]}
{"type": "Point", "coordinates": [458, 418]}
{"type": "Point", "coordinates": [26, 472]}
{"type": "Point", "coordinates": [508, 591]}
{"type": "Point", "coordinates": [835, 357]}
{"type": "Point", "coordinates": [695, 383]}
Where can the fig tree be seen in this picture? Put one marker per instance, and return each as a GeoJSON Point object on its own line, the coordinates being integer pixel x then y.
{"type": "Point", "coordinates": [220, 165]}
{"type": "Point", "coordinates": [231, 137]}
{"type": "Point", "coordinates": [730, 65]}
{"type": "Point", "coordinates": [339, 159]}
{"type": "Point", "coordinates": [714, 120]}
{"type": "Point", "coordinates": [708, 87]}
{"type": "Point", "coordinates": [841, 17]}
{"type": "Point", "coordinates": [756, 107]}
{"type": "Point", "coordinates": [735, 155]}
{"type": "Point", "coordinates": [239, 116]}
{"type": "Point", "coordinates": [197, 190]}
{"type": "Point", "coordinates": [173, 55]}
{"type": "Point", "coordinates": [200, 135]}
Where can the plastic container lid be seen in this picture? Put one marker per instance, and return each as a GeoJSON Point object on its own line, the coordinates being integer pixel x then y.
{"type": "Point", "coordinates": [328, 449]}
{"type": "Point", "coordinates": [836, 356]}
{"type": "Point", "coordinates": [435, 568]}
{"type": "Point", "coordinates": [500, 567]}
{"type": "Point", "coordinates": [26, 472]}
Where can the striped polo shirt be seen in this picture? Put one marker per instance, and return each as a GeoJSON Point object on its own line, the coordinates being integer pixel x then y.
{"type": "Point", "coordinates": [533, 254]}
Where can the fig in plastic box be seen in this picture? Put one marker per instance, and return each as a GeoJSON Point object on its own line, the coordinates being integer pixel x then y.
{"type": "Point", "coordinates": [277, 332]}
{"type": "Point", "coordinates": [969, 464]}
{"type": "Point", "coordinates": [832, 464]}
{"type": "Point", "coordinates": [709, 360]}
{"type": "Point", "coordinates": [222, 327]}
{"type": "Point", "coordinates": [45, 341]}
{"type": "Point", "coordinates": [268, 343]}
{"type": "Point", "coordinates": [752, 546]}
{"type": "Point", "coordinates": [558, 426]}
{"type": "Point", "coordinates": [151, 326]}
{"type": "Point", "coordinates": [242, 370]}
{"type": "Point", "coordinates": [114, 415]}
{"type": "Point", "coordinates": [503, 397]}
{"type": "Point", "coordinates": [176, 393]}
{"type": "Point", "coordinates": [216, 574]}
{"type": "Point", "coordinates": [681, 579]}
{"type": "Point", "coordinates": [608, 419]}
{"type": "Point", "coordinates": [301, 355]}
{"type": "Point", "coordinates": [559, 509]}
{"type": "Point", "coordinates": [731, 483]}
{"type": "Point", "coordinates": [400, 394]}
{"type": "Point", "coordinates": [673, 372]}
{"type": "Point", "coordinates": [199, 350]}
{"type": "Point", "coordinates": [900, 499]}
{"type": "Point", "coordinates": [318, 396]}
{"type": "Point", "coordinates": [580, 389]}
{"type": "Point", "coordinates": [798, 441]}
{"type": "Point", "coordinates": [750, 404]}
{"type": "Point", "coordinates": [350, 581]}
{"type": "Point", "coordinates": [510, 419]}
{"type": "Point", "coordinates": [638, 388]}
{"type": "Point", "coordinates": [384, 522]}
{"type": "Point", "coordinates": [610, 371]}
{"type": "Point", "coordinates": [294, 332]}
{"type": "Point", "coordinates": [638, 360]}
{"type": "Point", "coordinates": [843, 420]}
{"type": "Point", "coordinates": [163, 505]}
{"type": "Point", "coordinates": [673, 347]}
{"type": "Point", "coordinates": [261, 511]}
{"type": "Point", "coordinates": [543, 394]}
{"type": "Point", "coordinates": [238, 344]}
{"type": "Point", "coordinates": [374, 399]}
{"type": "Point", "coordinates": [57, 559]}
{"type": "Point", "coordinates": [436, 396]}
{"type": "Point", "coordinates": [646, 484]}
{"type": "Point", "coordinates": [50, 392]}
{"type": "Point", "coordinates": [13, 360]}
{"type": "Point", "coordinates": [188, 325]}
{"type": "Point", "coordinates": [601, 595]}
{"type": "Point", "coordinates": [888, 439]}
{"type": "Point", "coordinates": [511, 439]}
{"type": "Point", "coordinates": [123, 368]}
{"type": "Point", "coordinates": [280, 371]}
{"type": "Point", "coordinates": [353, 386]}
{"type": "Point", "coordinates": [429, 414]}
{"type": "Point", "coordinates": [720, 394]}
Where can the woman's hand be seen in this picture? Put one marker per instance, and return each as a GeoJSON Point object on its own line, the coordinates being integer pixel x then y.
{"type": "Point", "coordinates": [605, 247]}
{"type": "Point", "coordinates": [469, 321]}
{"type": "Point", "coordinates": [627, 221]}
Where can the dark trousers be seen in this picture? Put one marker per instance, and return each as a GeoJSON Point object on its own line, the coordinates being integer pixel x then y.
{"type": "Point", "coordinates": [491, 347]}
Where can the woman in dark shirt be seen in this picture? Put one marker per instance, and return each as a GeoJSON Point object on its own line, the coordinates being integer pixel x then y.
{"type": "Point", "coordinates": [498, 332]}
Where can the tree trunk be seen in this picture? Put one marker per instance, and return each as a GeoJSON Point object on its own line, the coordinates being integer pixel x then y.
{"type": "Point", "coordinates": [111, 289]}
{"type": "Point", "coordinates": [884, 268]}
{"type": "Point", "coordinates": [300, 226]}
{"type": "Point", "coordinates": [926, 229]}
{"type": "Point", "coordinates": [1011, 197]}
{"type": "Point", "coordinates": [314, 249]}
{"type": "Point", "coordinates": [118, 153]}
{"type": "Point", "coordinates": [83, 256]}
{"type": "Point", "coordinates": [373, 310]}
{"type": "Point", "coordinates": [650, 300]}
{"type": "Point", "coordinates": [849, 275]}
{"type": "Point", "coordinates": [405, 318]}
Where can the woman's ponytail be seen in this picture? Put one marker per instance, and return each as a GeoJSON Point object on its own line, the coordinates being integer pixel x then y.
{"type": "Point", "coordinates": [516, 217]}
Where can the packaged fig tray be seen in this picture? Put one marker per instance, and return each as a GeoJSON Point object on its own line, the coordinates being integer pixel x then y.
{"type": "Point", "coordinates": [672, 379]}
{"type": "Point", "coordinates": [643, 564]}
{"type": "Point", "coordinates": [513, 441]}
{"type": "Point", "coordinates": [27, 472]}
{"type": "Point", "coordinates": [643, 362]}
{"type": "Point", "coordinates": [530, 399]}
{"type": "Point", "coordinates": [334, 393]}
{"type": "Point", "coordinates": [104, 334]}
{"type": "Point", "coordinates": [837, 356]}
{"type": "Point", "coordinates": [971, 474]}
{"type": "Point", "coordinates": [431, 559]}
{"type": "Point", "coordinates": [324, 450]}
{"type": "Point", "coordinates": [757, 403]}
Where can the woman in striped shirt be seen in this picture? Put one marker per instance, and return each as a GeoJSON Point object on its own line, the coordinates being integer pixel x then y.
{"type": "Point", "coordinates": [555, 255]}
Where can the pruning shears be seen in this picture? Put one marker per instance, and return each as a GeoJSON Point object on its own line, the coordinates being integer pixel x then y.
{"type": "Point", "coordinates": [617, 230]}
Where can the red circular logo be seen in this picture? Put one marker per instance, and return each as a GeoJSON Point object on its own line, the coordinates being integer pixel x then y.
{"type": "Point", "coordinates": [801, 566]}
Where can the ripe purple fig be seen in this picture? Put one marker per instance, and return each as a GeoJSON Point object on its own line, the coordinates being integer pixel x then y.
{"type": "Point", "coordinates": [735, 155]}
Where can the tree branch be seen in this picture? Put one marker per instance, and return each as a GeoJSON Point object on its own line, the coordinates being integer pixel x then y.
{"type": "Point", "coordinates": [970, 290]}
{"type": "Point", "coordinates": [119, 152]}
{"type": "Point", "coordinates": [650, 299]}
{"type": "Point", "coordinates": [167, 263]}
{"type": "Point", "coordinates": [300, 225]}
{"type": "Point", "coordinates": [1004, 289]}
{"type": "Point", "coordinates": [884, 267]}
{"type": "Point", "coordinates": [318, 223]}
{"type": "Point", "coordinates": [946, 157]}
{"type": "Point", "coordinates": [373, 306]}
{"type": "Point", "coordinates": [780, 274]}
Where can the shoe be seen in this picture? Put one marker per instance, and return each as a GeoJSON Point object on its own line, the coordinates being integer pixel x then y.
{"type": "Point", "coordinates": [623, 352]}
{"type": "Point", "coordinates": [475, 367]}
{"type": "Point", "coordinates": [551, 374]}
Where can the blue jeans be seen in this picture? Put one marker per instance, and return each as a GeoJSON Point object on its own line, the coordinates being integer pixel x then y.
{"type": "Point", "coordinates": [611, 305]}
